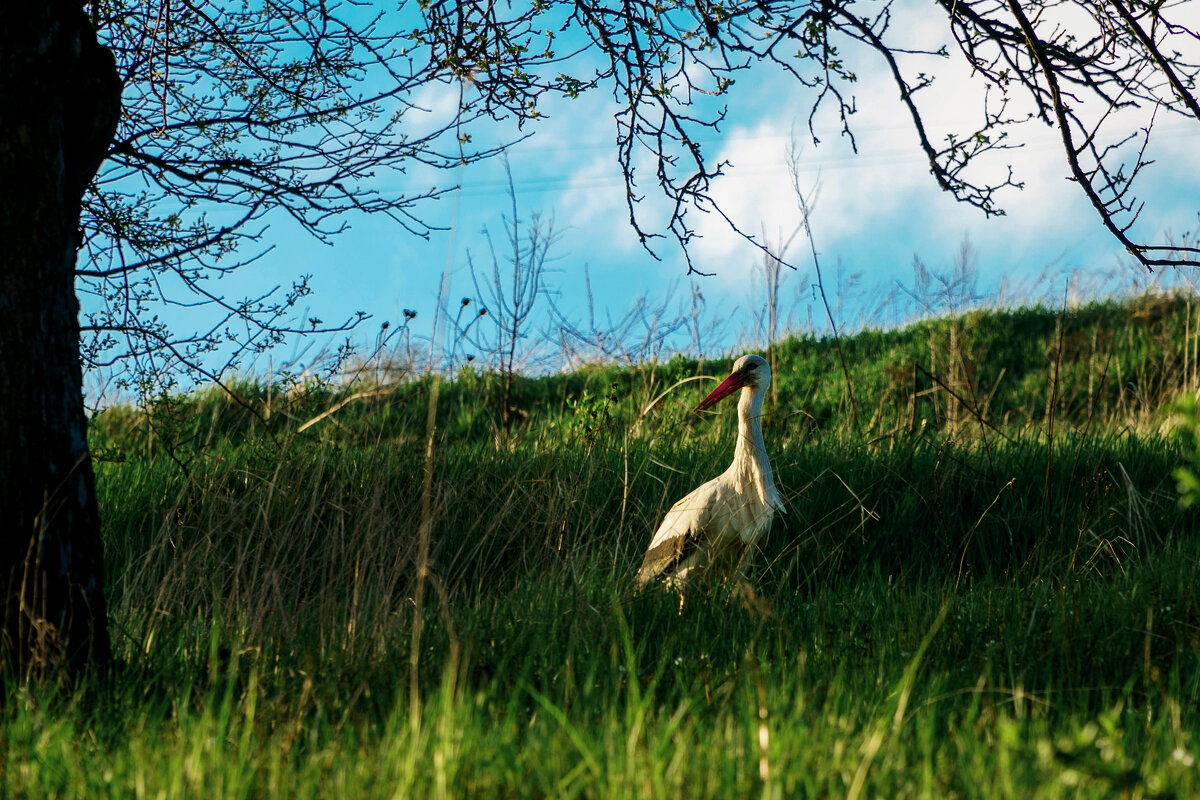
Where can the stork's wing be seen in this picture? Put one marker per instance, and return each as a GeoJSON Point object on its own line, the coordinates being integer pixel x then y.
{"type": "Point", "coordinates": [680, 533]}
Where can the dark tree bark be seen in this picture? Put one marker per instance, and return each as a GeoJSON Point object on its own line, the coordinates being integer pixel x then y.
{"type": "Point", "coordinates": [59, 103]}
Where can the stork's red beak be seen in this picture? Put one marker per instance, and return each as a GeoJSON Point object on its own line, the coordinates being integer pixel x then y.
{"type": "Point", "coordinates": [727, 387]}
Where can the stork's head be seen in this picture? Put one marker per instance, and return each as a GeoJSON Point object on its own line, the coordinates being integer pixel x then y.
{"type": "Point", "coordinates": [750, 372]}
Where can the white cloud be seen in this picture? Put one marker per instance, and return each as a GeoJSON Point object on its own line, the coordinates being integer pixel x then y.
{"type": "Point", "coordinates": [887, 192]}
{"type": "Point", "coordinates": [880, 204]}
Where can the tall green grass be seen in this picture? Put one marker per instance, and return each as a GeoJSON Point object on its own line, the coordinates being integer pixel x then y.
{"type": "Point", "coordinates": [986, 589]}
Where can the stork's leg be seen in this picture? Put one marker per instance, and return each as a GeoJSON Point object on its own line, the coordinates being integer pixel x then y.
{"type": "Point", "coordinates": [679, 583]}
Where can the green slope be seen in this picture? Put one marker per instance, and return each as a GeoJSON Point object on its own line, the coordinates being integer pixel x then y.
{"type": "Point", "coordinates": [1104, 363]}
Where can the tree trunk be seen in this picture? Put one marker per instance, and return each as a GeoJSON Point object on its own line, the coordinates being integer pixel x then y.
{"type": "Point", "coordinates": [59, 103]}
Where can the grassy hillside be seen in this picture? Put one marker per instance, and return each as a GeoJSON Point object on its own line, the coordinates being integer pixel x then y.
{"type": "Point", "coordinates": [1109, 362]}
{"type": "Point", "coordinates": [983, 588]}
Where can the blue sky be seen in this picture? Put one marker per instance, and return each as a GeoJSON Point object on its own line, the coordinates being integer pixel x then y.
{"type": "Point", "coordinates": [871, 212]}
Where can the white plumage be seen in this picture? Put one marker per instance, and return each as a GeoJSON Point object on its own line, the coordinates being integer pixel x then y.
{"type": "Point", "coordinates": [710, 532]}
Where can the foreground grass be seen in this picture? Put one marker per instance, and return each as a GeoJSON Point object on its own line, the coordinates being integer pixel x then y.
{"type": "Point", "coordinates": [859, 690]}
{"type": "Point", "coordinates": [919, 629]}
{"type": "Point", "coordinates": [956, 605]}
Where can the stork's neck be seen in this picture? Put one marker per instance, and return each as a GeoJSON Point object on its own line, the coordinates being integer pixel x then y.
{"type": "Point", "coordinates": [750, 453]}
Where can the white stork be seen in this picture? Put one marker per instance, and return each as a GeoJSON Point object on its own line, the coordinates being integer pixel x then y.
{"type": "Point", "coordinates": [710, 532]}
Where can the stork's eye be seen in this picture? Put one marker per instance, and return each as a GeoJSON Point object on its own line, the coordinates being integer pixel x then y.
{"type": "Point", "coordinates": [752, 365]}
